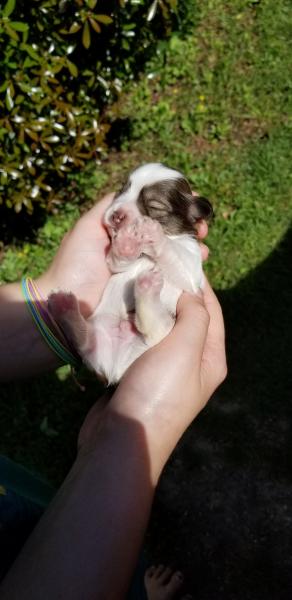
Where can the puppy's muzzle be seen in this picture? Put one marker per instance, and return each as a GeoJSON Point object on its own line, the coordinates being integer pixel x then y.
{"type": "Point", "coordinates": [118, 218]}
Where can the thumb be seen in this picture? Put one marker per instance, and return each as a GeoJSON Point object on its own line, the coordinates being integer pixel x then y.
{"type": "Point", "coordinates": [192, 321]}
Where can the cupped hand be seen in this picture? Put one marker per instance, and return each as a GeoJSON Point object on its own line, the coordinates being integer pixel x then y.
{"type": "Point", "coordinates": [175, 379]}
{"type": "Point", "coordinates": [168, 385]}
{"type": "Point", "coordinates": [80, 264]}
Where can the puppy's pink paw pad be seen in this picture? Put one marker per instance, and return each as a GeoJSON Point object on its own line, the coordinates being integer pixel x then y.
{"type": "Point", "coordinates": [60, 303]}
{"type": "Point", "coordinates": [149, 282]}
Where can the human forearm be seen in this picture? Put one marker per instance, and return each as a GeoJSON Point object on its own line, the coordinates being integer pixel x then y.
{"type": "Point", "coordinates": [23, 351]}
{"type": "Point", "coordinates": [86, 545]}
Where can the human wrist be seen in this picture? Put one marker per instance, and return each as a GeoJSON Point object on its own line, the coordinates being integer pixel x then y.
{"type": "Point", "coordinates": [138, 432]}
{"type": "Point", "coordinates": [45, 284]}
{"type": "Point", "coordinates": [23, 351]}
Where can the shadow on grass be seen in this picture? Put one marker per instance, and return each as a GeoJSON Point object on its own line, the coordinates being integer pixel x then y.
{"type": "Point", "coordinates": [223, 512]}
{"type": "Point", "coordinates": [40, 420]}
{"type": "Point", "coordinates": [19, 227]}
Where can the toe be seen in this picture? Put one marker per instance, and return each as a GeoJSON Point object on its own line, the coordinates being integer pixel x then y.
{"type": "Point", "coordinates": [159, 570]}
{"type": "Point", "coordinates": [164, 575]}
{"type": "Point", "coordinates": [150, 572]}
{"type": "Point", "coordinates": [174, 583]}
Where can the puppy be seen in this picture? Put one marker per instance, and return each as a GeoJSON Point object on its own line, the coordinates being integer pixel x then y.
{"type": "Point", "coordinates": [153, 257]}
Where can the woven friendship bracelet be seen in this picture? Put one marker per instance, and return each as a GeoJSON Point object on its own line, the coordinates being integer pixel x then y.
{"type": "Point", "coordinates": [45, 323]}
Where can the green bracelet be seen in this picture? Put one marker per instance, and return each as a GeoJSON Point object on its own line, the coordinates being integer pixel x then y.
{"type": "Point", "coordinates": [46, 325]}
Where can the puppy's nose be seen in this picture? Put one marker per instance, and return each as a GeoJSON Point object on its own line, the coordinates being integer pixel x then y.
{"type": "Point", "coordinates": [118, 218]}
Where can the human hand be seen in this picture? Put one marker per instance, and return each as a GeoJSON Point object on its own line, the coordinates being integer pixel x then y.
{"type": "Point", "coordinates": [80, 263]}
{"type": "Point", "coordinates": [168, 385]}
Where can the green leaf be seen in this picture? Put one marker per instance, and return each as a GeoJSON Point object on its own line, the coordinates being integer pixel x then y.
{"type": "Point", "coordinates": [18, 207]}
{"type": "Point", "coordinates": [95, 25]}
{"type": "Point", "coordinates": [91, 4]}
{"type": "Point", "coordinates": [4, 86]}
{"type": "Point", "coordinates": [11, 32]}
{"type": "Point", "coordinates": [18, 26]}
{"type": "Point", "coordinates": [28, 62]}
{"type": "Point", "coordinates": [12, 90]}
{"type": "Point", "coordinates": [57, 68]}
{"type": "Point", "coordinates": [72, 68]}
{"type": "Point", "coordinates": [32, 134]}
{"type": "Point", "coordinates": [74, 27]}
{"type": "Point", "coordinates": [47, 429]}
{"type": "Point", "coordinates": [29, 49]}
{"type": "Point", "coordinates": [103, 19]}
{"type": "Point", "coordinates": [8, 8]}
{"type": "Point", "coordinates": [19, 99]}
{"type": "Point", "coordinates": [86, 40]}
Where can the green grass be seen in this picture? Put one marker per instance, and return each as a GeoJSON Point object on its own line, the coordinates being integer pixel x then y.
{"type": "Point", "coordinates": [214, 105]}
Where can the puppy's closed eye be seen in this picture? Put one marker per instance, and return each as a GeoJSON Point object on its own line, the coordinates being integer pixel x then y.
{"type": "Point", "coordinates": [172, 203]}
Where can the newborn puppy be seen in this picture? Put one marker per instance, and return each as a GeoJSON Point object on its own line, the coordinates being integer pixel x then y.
{"type": "Point", "coordinates": [153, 257]}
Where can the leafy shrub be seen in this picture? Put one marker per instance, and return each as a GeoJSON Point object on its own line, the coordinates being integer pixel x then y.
{"type": "Point", "coordinates": [61, 62]}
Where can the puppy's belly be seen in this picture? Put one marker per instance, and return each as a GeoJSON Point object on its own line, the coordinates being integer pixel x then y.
{"type": "Point", "coordinates": [118, 344]}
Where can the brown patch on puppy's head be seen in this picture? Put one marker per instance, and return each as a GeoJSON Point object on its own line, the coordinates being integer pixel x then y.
{"type": "Point", "coordinates": [172, 203]}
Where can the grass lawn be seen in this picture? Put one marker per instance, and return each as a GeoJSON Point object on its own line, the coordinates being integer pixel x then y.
{"type": "Point", "coordinates": [215, 105]}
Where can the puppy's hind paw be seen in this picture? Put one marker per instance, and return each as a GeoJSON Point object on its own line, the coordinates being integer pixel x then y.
{"type": "Point", "coordinates": [149, 283]}
{"type": "Point", "coordinates": [60, 303]}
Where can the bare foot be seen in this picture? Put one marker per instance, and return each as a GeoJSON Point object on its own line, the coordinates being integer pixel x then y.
{"type": "Point", "coordinates": [162, 583]}
{"type": "Point", "coordinates": [61, 303]}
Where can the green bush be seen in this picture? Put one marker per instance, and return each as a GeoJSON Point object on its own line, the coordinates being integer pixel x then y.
{"type": "Point", "coordinates": [61, 62]}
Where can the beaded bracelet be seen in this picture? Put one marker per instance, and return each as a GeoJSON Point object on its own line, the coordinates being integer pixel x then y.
{"type": "Point", "coordinates": [46, 325]}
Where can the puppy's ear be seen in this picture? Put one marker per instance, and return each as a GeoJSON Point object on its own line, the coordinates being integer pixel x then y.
{"type": "Point", "coordinates": [200, 208]}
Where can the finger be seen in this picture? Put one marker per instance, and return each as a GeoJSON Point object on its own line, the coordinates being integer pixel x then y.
{"type": "Point", "coordinates": [92, 220]}
{"type": "Point", "coordinates": [216, 327]}
{"type": "Point", "coordinates": [204, 251]}
{"type": "Point", "coordinates": [201, 229]}
{"type": "Point", "coordinates": [214, 356]}
{"type": "Point", "coordinates": [192, 322]}
{"type": "Point", "coordinates": [100, 207]}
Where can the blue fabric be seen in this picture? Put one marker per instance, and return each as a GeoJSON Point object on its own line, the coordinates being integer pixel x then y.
{"type": "Point", "coordinates": [18, 516]}
{"type": "Point", "coordinates": [23, 498]}
{"type": "Point", "coordinates": [137, 589]}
